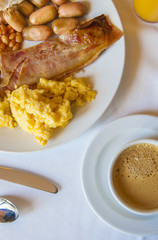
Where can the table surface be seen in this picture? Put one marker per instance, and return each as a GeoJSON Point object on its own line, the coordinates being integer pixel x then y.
{"type": "Point", "coordinates": [70, 216]}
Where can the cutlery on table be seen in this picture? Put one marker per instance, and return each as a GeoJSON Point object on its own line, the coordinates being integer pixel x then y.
{"type": "Point", "coordinates": [8, 211]}
{"type": "Point", "coordinates": [27, 179]}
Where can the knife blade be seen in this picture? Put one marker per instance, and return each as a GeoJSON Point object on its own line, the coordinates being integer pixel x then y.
{"type": "Point", "coordinates": [27, 179]}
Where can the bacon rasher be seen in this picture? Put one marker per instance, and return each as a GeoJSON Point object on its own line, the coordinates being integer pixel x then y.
{"type": "Point", "coordinates": [60, 56]}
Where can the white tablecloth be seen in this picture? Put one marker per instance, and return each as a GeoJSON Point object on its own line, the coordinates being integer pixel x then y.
{"type": "Point", "coordinates": [69, 216]}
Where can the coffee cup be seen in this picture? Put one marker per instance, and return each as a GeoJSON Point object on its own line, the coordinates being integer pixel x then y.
{"type": "Point", "coordinates": [133, 176]}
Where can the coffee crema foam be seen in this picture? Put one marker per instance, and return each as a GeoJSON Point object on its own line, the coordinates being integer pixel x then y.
{"type": "Point", "coordinates": [135, 176]}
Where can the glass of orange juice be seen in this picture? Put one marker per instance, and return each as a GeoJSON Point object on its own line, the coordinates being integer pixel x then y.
{"type": "Point", "coordinates": [147, 9]}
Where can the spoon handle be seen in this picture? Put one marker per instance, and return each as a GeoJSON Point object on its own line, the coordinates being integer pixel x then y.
{"type": "Point", "coordinates": [27, 179]}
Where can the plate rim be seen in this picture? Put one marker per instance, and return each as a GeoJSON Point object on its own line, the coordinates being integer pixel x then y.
{"type": "Point", "coordinates": [84, 129]}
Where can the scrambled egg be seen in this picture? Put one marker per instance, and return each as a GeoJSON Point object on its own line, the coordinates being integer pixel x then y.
{"type": "Point", "coordinates": [6, 118]}
{"type": "Point", "coordinates": [39, 111]}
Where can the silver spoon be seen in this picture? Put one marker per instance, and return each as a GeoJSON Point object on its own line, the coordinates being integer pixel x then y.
{"type": "Point", "coordinates": [8, 211]}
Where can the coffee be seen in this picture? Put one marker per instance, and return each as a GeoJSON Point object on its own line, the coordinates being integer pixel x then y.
{"type": "Point", "coordinates": [135, 176]}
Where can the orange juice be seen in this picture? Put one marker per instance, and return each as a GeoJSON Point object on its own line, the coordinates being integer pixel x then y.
{"type": "Point", "coordinates": [147, 9]}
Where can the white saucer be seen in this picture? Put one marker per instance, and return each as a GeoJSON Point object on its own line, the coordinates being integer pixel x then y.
{"type": "Point", "coordinates": [94, 173]}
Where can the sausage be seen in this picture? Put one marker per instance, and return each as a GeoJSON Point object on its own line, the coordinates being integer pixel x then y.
{"type": "Point", "coordinates": [26, 8]}
{"type": "Point", "coordinates": [60, 26]}
{"type": "Point", "coordinates": [37, 33]}
{"type": "Point", "coordinates": [43, 15]}
{"type": "Point", "coordinates": [14, 19]}
{"type": "Point", "coordinates": [2, 18]}
{"type": "Point", "coordinates": [39, 3]}
{"type": "Point", "coordinates": [72, 9]}
{"type": "Point", "coordinates": [59, 2]}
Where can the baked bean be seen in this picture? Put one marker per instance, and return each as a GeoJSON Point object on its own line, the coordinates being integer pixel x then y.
{"type": "Point", "coordinates": [9, 41]}
{"type": "Point", "coordinates": [12, 36]}
{"type": "Point", "coordinates": [43, 15]}
{"type": "Point", "coordinates": [5, 39]}
{"type": "Point", "coordinates": [9, 27]}
{"type": "Point", "coordinates": [72, 9]}
{"type": "Point", "coordinates": [3, 29]}
{"type": "Point", "coordinates": [7, 49]}
{"type": "Point", "coordinates": [18, 38]}
{"type": "Point", "coordinates": [2, 47]}
{"type": "Point", "coordinates": [11, 31]}
{"type": "Point", "coordinates": [16, 47]}
{"type": "Point", "coordinates": [11, 44]}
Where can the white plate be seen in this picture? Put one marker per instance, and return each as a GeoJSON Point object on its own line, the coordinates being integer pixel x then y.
{"type": "Point", "coordinates": [94, 173]}
{"type": "Point", "coordinates": [106, 74]}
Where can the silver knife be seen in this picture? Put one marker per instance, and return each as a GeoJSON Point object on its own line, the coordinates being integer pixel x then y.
{"type": "Point", "coordinates": [27, 179]}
